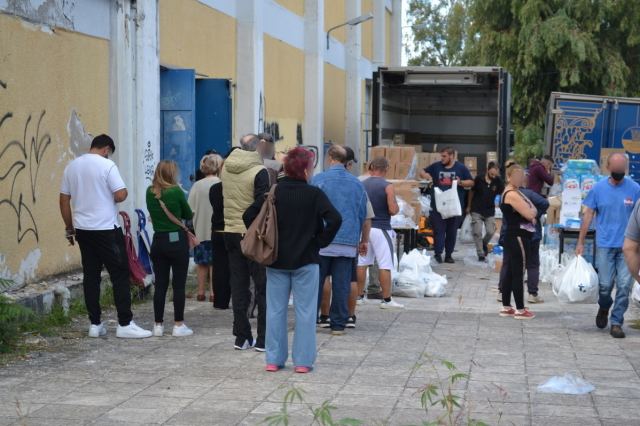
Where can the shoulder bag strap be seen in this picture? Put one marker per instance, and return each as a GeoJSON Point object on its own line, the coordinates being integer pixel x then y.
{"type": "Point", "coordinates": [170, 215]}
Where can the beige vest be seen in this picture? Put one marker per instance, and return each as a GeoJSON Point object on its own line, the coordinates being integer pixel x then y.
{"type": "Point", "coordinates": [238, 176]}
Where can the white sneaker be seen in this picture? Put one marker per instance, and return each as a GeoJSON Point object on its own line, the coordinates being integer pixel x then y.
{"type": "Point", "coordinates": [361, 300]}
{"type": "Point", "coordinates": [246, 345]}
{"type": "Point", "coordinates": [132, 331]}
{"type": "Point", "coordinates": [392, 304]}
{"type": "Point", "coordinates": [97, 330]}
{"type": "Point", "coordinates": [158, 330]}
{"type": "Point", "coordinates": [181, 331]}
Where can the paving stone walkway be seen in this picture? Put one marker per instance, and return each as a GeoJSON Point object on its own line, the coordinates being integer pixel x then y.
{"type": "Point", "coordinates": [369, 373]}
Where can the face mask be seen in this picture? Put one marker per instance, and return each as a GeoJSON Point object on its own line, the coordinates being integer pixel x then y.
{"type": "Point", "coordinates": [617, 176]}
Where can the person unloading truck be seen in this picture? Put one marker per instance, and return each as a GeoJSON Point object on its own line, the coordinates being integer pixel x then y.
{"type": "Point", "coordinates": [442, 173]}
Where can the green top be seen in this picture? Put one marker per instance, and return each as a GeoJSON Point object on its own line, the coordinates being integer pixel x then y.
{"type": "Point", "coordinates": [175, 201]}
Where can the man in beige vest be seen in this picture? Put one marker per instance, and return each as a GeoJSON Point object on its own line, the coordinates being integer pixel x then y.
{"type": "Point", "coordinates": [244, 182]}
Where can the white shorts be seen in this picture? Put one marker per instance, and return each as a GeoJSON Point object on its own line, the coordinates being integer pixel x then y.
{"type": "Point", "coordinates": [381, 244]}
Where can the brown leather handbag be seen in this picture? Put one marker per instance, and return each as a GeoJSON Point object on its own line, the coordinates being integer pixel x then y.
{"type": "Point", "coordinates": [260, 243]}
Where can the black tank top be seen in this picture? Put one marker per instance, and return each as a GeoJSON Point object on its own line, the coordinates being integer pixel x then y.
{"type": "Point", "coordinates": [511, 215]}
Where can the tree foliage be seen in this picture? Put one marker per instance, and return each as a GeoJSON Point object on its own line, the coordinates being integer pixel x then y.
{"type": "Point", "coordinates": [439, 31]}
{"type": "Point", "coordinates": [578, 46]}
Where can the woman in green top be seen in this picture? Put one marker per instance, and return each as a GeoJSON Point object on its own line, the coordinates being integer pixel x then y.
{"type": "Point", "coordinates": [170, 247]}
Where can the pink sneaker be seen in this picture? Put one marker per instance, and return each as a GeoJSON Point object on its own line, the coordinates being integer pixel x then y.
{"type": "Point", "coordinates": [525, 314]}
{"type": "Point", "coordinates": [507, 311]}
{"type": "Point", "coordinates": [272, 368]}
{"type": "Point", "coordinates": [302, 370]}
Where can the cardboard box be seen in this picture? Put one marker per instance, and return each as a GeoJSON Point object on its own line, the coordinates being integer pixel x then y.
{"type": "Point", "coordinates": [391, 173]}
{"type": "Point", "coordinates": [471, 163]}
{"type": "Point", "coordinates": [416, 148]}
{"type": "Point", "coordinates": [402, 170]}
{"type": "Point", "coordinates": [553, 212]}
{"type": "Point", "coordinates": [407, 154]}
{"type": "Point", "coordinates": [492, 156]}
{"type": "Point", "coordinates": [394, 154]}
{"type": "Point", "coordinates": [473, 172]}
{"type": "Point", "coordinates": [604, 154]}
{"type": "Point", "coordinates": [399, 139]}
{"type": "Point", "coordinates": [377, 151]}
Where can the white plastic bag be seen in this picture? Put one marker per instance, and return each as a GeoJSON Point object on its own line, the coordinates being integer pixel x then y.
{"type": "Point", "coordinates": [567, 384]}
{"type": "Point", "coordinates": [436, 285]}
{"type": "Point", "coordinates": [548, 264]}
{"type": "Point", "coordinates": [465, 234]}
{"type": "Point", "coordinates": [635, 294]}
{"type": "Point", "coordinates": [448, 202]}
{"type": "Point", "coordinates": [409, 285]}
{"type": "Point", "coordinates": [579, 283]}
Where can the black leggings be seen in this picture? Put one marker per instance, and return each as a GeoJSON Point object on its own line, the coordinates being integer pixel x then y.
{"type": "Point", "coordinates": [517, 247]}
{"type": "Point", "coordinates": [168, 256]}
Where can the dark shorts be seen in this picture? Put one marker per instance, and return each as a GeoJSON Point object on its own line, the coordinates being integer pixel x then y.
{"type": "Point", "coordinates": [203, 253]}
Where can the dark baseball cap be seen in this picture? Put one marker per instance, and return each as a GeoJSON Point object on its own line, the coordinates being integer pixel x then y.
{"type": "Point", "coordinates": [351, 156]}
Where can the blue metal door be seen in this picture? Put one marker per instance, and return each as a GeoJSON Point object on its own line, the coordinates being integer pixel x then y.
{"type": "Point", "coordinates": [213, 116]}
{"type": "Point", "coordinates": [177, 109]}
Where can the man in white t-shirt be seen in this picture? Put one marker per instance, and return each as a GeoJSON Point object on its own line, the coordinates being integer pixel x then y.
{"type": "Point", "coordinates": [92, 183]}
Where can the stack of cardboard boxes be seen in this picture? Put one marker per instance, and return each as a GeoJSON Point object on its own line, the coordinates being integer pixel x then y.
{"type": "Point", "coordinates": [401, 159]}
{"type": "Point", "coordinates": [409, 192]}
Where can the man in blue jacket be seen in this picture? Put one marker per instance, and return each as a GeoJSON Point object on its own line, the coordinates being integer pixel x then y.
{"type": "Point", "coordinates": [533, 261]}
{"type": "Point", "coordinates": [348, 196]}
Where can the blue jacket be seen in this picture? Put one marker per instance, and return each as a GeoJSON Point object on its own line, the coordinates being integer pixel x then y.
{"type": "Point", "coordinates": [348, 196]}
{"type": "Point", "coordinates": [540, 203]}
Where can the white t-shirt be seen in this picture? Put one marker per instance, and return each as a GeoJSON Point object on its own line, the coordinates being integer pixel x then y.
{"type": "Point", "coordinates": [91, 180]}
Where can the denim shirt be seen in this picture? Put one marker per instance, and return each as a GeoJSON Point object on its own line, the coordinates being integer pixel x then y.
{"type": "Point", "coordinates": [347, 195]}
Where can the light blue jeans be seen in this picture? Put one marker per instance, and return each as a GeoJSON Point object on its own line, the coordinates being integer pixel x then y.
{"type": "Point", "coordinates": [303, 282]}
{"type": "Point", "coordinates": [612, 268]}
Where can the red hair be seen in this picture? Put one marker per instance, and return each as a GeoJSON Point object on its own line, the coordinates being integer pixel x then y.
{"type": "Point", "coordinates": [297, 161]}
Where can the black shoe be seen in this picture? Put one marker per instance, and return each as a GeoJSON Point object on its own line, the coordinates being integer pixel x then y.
{"type": "Point", "coordinates": [259, 346]}
{"type": "Point", "coordinates": [602, 318]}
{"type": "Point", "coordinates": [351, 322]}
{"type": "Point", "coordinates": [481, 258]}
{"type": "Point", "coordinates": [616, 331]}
{"type": "Point", "coordinates": [323, 321]}
{"type": "Point", "coordinates": [376, 296]}
{"type": "Point", "coordinates": [485, 249]}
{"type": "Point", "coordinates": [449, 259]}
{"type": "Point", "coordinates": [438, 258]}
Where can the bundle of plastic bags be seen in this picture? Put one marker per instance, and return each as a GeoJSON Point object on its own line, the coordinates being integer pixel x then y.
{"type": "Point", "coordinates": [416, 279]}
{"type": "Point", "coordinates": [549, 266]}
{"type": "Point", "coordinates": [404, 218]}
{"type": "Point", "coordinates": [577, 283]}
{"type": "Point", "coordinates": [465, 234]}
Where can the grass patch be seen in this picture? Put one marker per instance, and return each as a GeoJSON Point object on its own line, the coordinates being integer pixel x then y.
{"type": "Point", "coordinates": [635, 324]}
{"type": "Point", "coordinates": [18, 324]}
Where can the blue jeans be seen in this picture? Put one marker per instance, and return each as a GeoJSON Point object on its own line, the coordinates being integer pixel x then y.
{"type": "Point", "coordinates": [445, 232]}
{"type": "Point", "coordinates": [339, 268]}
{"type": "Point", "coordinates": [612, 267]}
{"type": "Point", "coordinates": [303, 282]}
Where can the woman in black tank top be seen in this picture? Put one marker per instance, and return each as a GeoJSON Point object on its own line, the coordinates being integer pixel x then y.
{"type": "Point", "coordinates": [520, 215]}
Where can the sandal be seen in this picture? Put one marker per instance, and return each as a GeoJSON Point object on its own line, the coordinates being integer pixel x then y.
{"type": "Point", "coordinates": [201, 298]}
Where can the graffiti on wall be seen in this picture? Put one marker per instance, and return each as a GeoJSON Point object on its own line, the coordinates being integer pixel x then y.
{"type": "Point", "coordinates": [148, 162]}
{"type": "Point", "coordinates": [274, 130]}
{"type": "Point", "coordinates": [21, 159]}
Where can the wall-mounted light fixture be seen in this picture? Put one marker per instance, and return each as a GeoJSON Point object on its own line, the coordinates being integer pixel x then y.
{"type": "Point", "coordinates": [351, 22]}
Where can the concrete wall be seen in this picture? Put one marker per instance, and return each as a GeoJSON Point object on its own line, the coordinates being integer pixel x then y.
{"type": "Point", "coordinates": [193, 35]}
{"type": "Point", "coordinates": [334, 104]}
{"type": "Point", "coordinates": [54, 88]}
{"type": "Point", "coordinates": [70, 69]}
{"type": "Point", "coordinates": [283, 92]}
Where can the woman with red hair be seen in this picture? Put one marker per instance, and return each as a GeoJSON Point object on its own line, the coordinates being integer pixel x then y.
{"type": "Point", "coordinates": [307, 221]}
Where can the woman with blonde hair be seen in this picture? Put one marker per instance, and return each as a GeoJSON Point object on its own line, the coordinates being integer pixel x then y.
{"type": "Point", "coordinates": [520, 215]}
{"type": "Point", "coordinates": [210, 166]}
{"type": "Point", "coordinates": [167, 207]}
